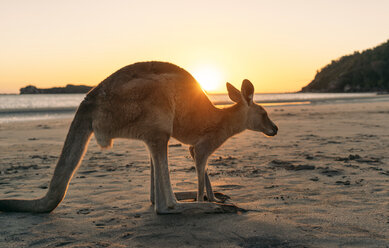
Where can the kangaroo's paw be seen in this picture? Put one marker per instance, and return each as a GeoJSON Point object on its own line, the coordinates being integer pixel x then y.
{"type": "Point", "coordinates": [218, 197]}
{"type": "Point", "coordinates": [222, 197]}
{"type": "Point", "coordinates": [200, 207]}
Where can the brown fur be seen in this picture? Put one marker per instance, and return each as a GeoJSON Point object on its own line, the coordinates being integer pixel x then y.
{"type": "Point", "coordinates": [153, 101]}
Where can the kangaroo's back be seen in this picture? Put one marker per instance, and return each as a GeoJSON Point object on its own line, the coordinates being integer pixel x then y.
{"type": "Point", "coordinates": [140, 80]}
{"type": "Point", "coordinates": [145, 93]}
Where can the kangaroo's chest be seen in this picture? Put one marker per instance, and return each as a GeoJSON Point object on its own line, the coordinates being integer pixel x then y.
{"type": "Point", "coordinates": [186, 135]}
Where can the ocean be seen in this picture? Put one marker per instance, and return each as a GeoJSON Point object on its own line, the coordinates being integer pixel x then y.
{"type": "Point", "coordinates": [52, 106]}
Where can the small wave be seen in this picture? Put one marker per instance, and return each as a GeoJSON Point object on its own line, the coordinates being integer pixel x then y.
{"type": "Point", "coordinates": [34, 107]}
{"type": "Point", "coordinates": [10, 118]}
{"type": "Point", "coordinates": [37, 110]}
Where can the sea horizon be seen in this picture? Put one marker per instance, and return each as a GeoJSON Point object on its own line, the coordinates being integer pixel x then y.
{"type": "Point", "coordinates": [27, 107]}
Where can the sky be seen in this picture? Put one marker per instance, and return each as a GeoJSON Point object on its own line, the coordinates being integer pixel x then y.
{"type": "Point", "coordinates": [277, 45]}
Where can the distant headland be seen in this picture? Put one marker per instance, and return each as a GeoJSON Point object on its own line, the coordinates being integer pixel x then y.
{"type": "Point", "coordinates": [367, 71]}
{"type": "Point", "coordinates": [68, 89]}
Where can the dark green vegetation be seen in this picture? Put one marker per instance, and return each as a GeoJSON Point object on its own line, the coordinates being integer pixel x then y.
{"type": "Point", "coordinates": [57, 90]}
{"type": "Point", "coordinates": [367, 71]}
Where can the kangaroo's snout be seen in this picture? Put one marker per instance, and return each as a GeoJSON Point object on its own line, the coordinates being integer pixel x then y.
{"type": "Point", "coordinates": [273, 131]}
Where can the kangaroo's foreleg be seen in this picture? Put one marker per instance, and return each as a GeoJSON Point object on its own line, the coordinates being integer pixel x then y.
{"type": "Point", "coordinates": [192, 195]}
{"type": "Point", "coordinates": [152, 194]}
{"type": "Point", "coordinates": [208, 187]}
{"type": "Point", "coordinates": [200, 154]}
{"type": "Point", "coordinates": [211, 196]}
{"type": "Point", "coordinates": [165, 201]}
{"type": "Point", "coordinates": [187, 195]}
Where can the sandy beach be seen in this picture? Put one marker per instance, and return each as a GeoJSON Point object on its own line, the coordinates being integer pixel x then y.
{"type": "Point", "coordinates": [321, 182]}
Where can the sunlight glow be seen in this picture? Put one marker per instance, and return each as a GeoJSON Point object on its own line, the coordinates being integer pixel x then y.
{"type": "Point", "coordinates": [46, 48]}
{"type": "Point", "coordinates": [208, 77]}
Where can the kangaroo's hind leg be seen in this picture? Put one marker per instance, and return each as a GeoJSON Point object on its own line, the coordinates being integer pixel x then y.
{"type": "Point", "coordinates": [161, 190]}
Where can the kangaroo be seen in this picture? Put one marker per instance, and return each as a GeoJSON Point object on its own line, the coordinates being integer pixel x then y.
{"type": "Point", "coordinates": [153, 101]}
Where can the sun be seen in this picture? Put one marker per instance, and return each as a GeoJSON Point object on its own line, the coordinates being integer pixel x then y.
{"type": "Point", "coordinates": [208, 77]}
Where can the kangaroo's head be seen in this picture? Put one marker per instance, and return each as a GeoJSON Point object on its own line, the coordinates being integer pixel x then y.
{"type": "Point", "coordinates": [257, 118]}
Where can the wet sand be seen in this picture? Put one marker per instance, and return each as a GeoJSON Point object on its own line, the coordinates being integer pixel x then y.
{"type": "Point", "coordinates": [321, 182]}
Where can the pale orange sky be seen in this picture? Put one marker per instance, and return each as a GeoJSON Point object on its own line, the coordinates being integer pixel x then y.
{"type": "Point", "coordinates": [278, 45]}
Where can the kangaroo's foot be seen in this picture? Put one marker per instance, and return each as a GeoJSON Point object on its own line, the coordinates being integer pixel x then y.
{"type": "Point", "coordinates": [192, 196]}
{"type": "Point", "coordinates": [200, 207]}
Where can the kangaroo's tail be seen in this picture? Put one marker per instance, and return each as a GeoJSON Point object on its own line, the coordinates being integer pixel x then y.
{"type": "Point", "coordinates": [72, 152]}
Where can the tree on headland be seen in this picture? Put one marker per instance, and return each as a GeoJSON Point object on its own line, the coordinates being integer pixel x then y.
{"type": "Point", "coordinates": [366, 71]}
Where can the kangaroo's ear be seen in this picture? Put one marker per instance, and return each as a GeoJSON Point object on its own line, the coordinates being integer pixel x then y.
{"type": "Point", "coordinates": [247, 91]}
{"type": "Point", "coordinates": [233, 93]}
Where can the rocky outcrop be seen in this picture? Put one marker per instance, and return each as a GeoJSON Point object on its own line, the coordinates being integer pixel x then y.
{"type": "Point", "coordinates": [30, 89]}
{"type": "Point", "coordinates": [367, 71]}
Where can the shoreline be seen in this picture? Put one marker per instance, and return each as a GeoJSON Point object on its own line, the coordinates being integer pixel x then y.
{"type": "Point", "coordinates": [322, 181]}
{"type": "Point", "coordinates": [46, 113]}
